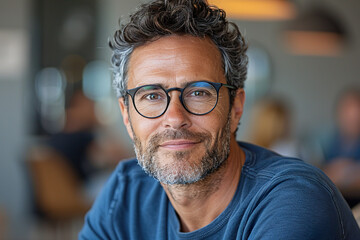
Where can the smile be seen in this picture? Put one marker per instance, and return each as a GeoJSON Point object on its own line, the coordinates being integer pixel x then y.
{"type": "Point", "coordinates": [180, 144]}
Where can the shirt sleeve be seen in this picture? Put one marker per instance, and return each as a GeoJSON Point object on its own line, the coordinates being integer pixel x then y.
{"type": "Point", "coordinates": [303, 207]}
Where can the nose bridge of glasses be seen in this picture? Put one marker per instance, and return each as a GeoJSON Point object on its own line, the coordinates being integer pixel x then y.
{"type": "Point", "coordinates": [180, 94]}
{"type": "Point", "coordinates": [174, 89]}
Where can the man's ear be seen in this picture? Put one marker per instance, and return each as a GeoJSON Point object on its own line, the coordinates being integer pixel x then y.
{"type": "Point", "coordinates": [237, 109]}
{"type": "Point", "coordinates": [125, 114]}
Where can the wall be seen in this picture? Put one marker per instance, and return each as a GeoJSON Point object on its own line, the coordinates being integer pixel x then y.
{"type": "Point", "coordinates": [14, 61]}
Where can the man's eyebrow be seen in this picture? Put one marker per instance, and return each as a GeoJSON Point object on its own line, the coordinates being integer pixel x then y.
{"type": "Point", "coordinates": [167, 85]}
{"type": "Point", "coordinates": [194, 81]}
{"type": "Point", "coordinates": [149, 84]}
{"type": "Point", "coordinates": [182, 85]}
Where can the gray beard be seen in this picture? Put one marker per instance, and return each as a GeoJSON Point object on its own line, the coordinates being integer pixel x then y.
{"type": "Point", "coordinates": [181, 170]}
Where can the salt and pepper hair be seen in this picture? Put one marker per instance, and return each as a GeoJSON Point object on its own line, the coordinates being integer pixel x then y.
{"type": "Point", "coordinates": [196, 18]}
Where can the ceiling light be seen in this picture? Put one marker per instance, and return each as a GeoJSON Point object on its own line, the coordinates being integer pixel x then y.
{"type": "Point", "coordinates": [315, 33]}
{"type": "Point", "coordinates": [257, 9]}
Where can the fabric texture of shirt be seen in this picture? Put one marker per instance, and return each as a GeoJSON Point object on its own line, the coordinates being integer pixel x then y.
{"type": "Point", "coordinates": [276, 198]}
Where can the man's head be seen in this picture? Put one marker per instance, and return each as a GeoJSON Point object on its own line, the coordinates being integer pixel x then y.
{"type": "Point", "coordinates": [348, 113]}
{"type": "Point", "coordinates": [196, 18]}
{"type": "Point", "coordinates": [168, 48]}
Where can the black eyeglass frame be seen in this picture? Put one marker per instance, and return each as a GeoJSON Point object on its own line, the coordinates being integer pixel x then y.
{"type": "Point", "coordinates": [217, 87]}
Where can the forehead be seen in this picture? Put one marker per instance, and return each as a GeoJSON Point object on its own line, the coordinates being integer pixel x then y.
{"type": "Point", "coordinates": [176, 59]}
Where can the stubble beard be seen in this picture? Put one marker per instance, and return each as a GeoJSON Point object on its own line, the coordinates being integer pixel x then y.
{"type": "Point", "coordinates": [183, 167]}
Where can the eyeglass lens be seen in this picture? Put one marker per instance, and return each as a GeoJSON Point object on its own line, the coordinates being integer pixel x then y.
{"type": "Point", "coordinates": [198, 98]}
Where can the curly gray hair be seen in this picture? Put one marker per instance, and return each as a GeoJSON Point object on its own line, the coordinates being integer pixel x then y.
{"type": "Point", "coordinates": [179, 17]}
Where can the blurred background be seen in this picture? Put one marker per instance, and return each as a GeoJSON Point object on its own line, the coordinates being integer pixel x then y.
{"type": "Point", "coordinates": [61, 132]}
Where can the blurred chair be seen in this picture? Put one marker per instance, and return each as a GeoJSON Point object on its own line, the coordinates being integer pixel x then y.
{"type": "Point", "coordinates": [57, 189]}
{"type": "Point", "coordinates": [58, 195]}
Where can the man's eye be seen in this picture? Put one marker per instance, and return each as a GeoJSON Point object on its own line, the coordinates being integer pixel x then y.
{"type": "Point", "coordinates": [199, 93]}
{"type": "Point", "coordinates": [152, 96]}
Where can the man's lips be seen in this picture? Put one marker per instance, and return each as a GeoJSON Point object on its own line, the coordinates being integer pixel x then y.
{"type": "Point", "coordinates": [179, 144]}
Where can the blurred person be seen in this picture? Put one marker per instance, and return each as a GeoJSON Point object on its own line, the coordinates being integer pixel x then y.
{"type": "Point", "coordinates": [270, 127]}
{"type": "Point", "coordinates": [179, 69]}
{"type": "Point", "coordinates": [60, 166]}
{"type": "Point", "coordinates": [84, 143]}
{"type": "Point", "coordinates": [76, 141]}
{"type": "Point", "coordinates": [75, 163]}
{"type": "Point", "coordinates": [342, 150]}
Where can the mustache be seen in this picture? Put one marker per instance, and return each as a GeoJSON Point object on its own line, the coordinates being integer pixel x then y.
{"type": "Point", "coordinates": [176, 134]}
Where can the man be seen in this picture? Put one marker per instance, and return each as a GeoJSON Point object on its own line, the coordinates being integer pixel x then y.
{"type": "Point", "coordinates": [179, 70]}
{"type": "Point", "coordinates": [342, 148]}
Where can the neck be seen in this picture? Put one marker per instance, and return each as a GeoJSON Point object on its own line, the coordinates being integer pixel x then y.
{"type": "Point", "coordinates": [198, 204]}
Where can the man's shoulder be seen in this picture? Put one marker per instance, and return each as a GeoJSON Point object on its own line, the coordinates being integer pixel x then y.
{"type": "Point", "coordinates": [129, 167]}
{"type": "Point", "coordinates": [282, 188]}
{"type": "Point", "coordinates": [266, 164]}
{"type": "Point", "coordinates": [128, 181]}
{"type": "Point", "coordinates": [127, 172]}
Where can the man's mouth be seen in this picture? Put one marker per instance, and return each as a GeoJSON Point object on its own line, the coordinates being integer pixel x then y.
{"type": "Point", "coordinates": [179, 144]}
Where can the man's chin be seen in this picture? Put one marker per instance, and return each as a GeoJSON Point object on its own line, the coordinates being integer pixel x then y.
{"type": "Point", "coordinates": [169, 178]}
{"type": "Point", "coordinates": [177, 168]}
{"type": "Point", "coordinates": [176, 156]}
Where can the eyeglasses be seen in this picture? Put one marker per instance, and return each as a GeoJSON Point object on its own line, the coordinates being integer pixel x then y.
{"type": "Point", "coordinates": [198, 98]}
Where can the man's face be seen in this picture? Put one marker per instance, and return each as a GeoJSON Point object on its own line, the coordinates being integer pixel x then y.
{"type": "Point", "coordinates": [179, 147]}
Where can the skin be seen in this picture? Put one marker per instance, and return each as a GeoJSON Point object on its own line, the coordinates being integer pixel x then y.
{"type": "Point", "coordinates": [174, 61]}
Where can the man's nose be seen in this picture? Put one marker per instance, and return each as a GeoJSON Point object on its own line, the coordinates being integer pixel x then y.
{"type": "Point", "coordinates": [176, 116]}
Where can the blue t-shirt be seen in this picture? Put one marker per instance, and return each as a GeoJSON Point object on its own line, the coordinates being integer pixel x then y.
{"type": "Point", "coordinates": [276, 198]}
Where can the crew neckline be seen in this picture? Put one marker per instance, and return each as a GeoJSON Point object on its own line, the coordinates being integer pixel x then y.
{"type": "Point", "coordinates": [220, 221]}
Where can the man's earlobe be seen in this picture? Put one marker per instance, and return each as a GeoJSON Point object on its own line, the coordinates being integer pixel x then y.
{"type": "Point", "coordinates": [237, 108]}
{"type": "Point", "coordinates": [126, 118]}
